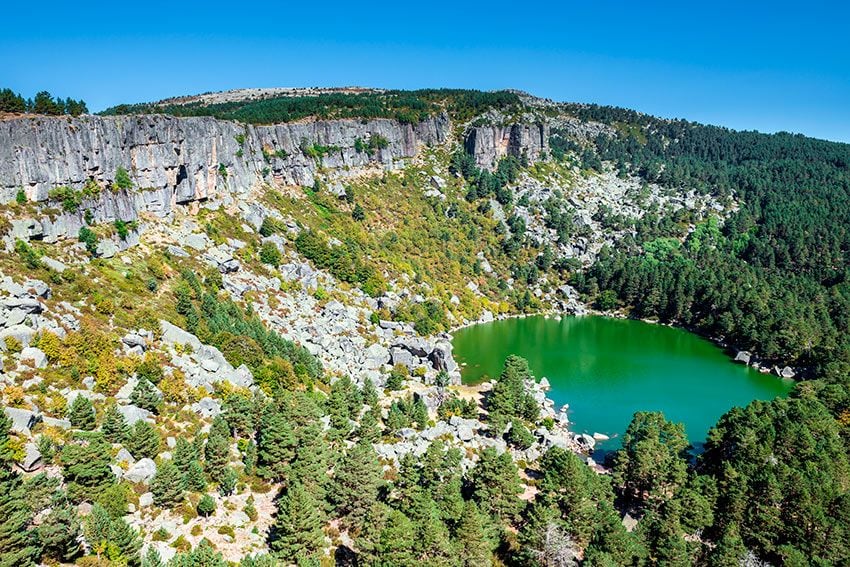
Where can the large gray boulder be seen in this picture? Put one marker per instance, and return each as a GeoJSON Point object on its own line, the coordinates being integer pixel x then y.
{"type": "Point", "coordinates": [34, 355]}
{"type": "Point", "coordinates": [22, 419]}
{"type": "Point", "coordinates": [174, 335]}
{"type": "Point", "coordinates": [132, 414]}
{"type": "Point", "coordinates": [32, 458]}
{"type": "Point", "coordinates": [141, 471]}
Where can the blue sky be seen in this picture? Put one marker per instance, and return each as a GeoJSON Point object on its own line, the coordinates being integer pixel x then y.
{"type": "Point", "coordinates": [748, 65]}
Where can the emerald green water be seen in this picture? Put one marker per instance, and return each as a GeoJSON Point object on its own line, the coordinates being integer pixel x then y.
{"type": "Point", "coordinates": [607, 369]}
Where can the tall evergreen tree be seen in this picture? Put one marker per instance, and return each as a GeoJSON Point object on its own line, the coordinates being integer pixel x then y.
{"type": "Point", "coordinates": [194, 477]}
{"type": "Point", "coordinates": [297, 531]}
{"type": "Point", "coordinates": [496, 485]}
{"type": "Point", "coordinates": [59, 531]}
{"type": "Point", "coordinates": [17, 545]}
{"type": "Point", "coordinates": [357, 479]}
{"type": "Point", "coordinates": [144, 440]}
{"type": "Point", "coordinates": [474, 544]}
{"type": "Point", "coordinates": [217, 449]}
{"type": "Point", "coordinates": [114, 426]}
{"type": "Point", "coordinates": [85, 467]}
{"type": "Point", "coordinates": [275, 445]}
{"type": "Point", "coordinates": [145, 396]}
{"type": "Point", "coordinates": [81, 413]}
{"type": "Point", "coordinates": [167, 485]}
{"type": "Point", "coordinates": [152, 558]}
{"type": "Point", "coordinates": [185, 453]}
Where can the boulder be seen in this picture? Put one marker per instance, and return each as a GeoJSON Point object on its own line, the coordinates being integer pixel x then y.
{"type": "Point", "coordinates": [36, 356]}
{"type": "Point", "coordinates": [787, 372]}
{"type": "Point", "coordinates": [402, 356]}
{"type": "Point", "coordinates": [32, 458]}
{"type": "Point", "coordinates": [132, 414]}
{"type": "Point", "coordinates": [146, 500]}
{"type": "Point", "coordinates": [124, 456]}
{"type": "Point", "coordinates": [28, 305]}
{"type": "Point", "coordinates": [177, 252]}
{"type": "Point", "coordinates": [106, 248]}
{"type": "Point", "coordinates": [141, 471]}
{"type": "Point", "coordinates": [173, 334]}
{"type": "Point", "coordinates": [376, 356]}
{"type": "Point", "coordinates": [22, 419]}
{"type": "Point", "coordinates": [743, 357]}
{"type": "Point", "coordinates": [441, 357]}
{"type": "Point", "coordinates": [134, 340]}
{"type": "Point", "coordinates": [207, 407]}
{"type": "Point", "coordinates": [56, 422]}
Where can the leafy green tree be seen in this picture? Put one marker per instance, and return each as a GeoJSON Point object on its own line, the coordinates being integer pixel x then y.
{"type": "Point", "coordinates": [356, 481]}
{"type": "Point", "coordinates": [144, 440]}
{"type": "Point", "coordinates": [114, 499]}
{"type": "Point", "coordinates": [114, 426]}
{"type": "Point", "coordinates": [59, 531]}
{"type": "Point", "coordinates": [206, 506]}
{"type": "Point", "coordinates": [122, 179]}
{"type": "Point", "coordinates": [217, 449]}
{"type": "Point", "coordinates": [17, 542]}
{"type": "Point", "coordinates": [509, 398]}
{"type": "Point", "coordinates": [275, 445]}
{"type": "Point", "coordinates": [167, 485]}
{"type": "Point", "coordinates": [395, 543]}
{"type": "Point", "coordinates": [194, 477]}
{"type": "Point", "coordinates": [227, 481]}
{"type": "Point", "coordinates": [297, 530]}
{"type": "Point", "coordinates": [474, 543]}
{"type": "Point", "coordinates": [496, 485]}
{"type": "Point", "coordinates": [145, 396]}
{"type": "Point", "coordinates": [81, 413]}
{"type": "Point", "coordinates": [651, 464]}
{"type": "Point", "coordinates": [85, 467]}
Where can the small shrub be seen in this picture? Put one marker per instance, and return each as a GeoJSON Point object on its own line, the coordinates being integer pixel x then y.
{"type": "Point", "coordinates": [206, 506]}
{"type": "Point", "coordinates": [89, 238]}
{"type": "Point", "coordinates": [269, 254]}
{"type": "Point", "coordinates": [28, 254]}
{"type": "Point", "coordinates": [122, 179]}
{"type": "Point", "coordinates": [21, 197]}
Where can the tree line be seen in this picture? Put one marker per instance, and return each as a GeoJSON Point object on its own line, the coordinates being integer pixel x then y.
{"type": "Point", "coordinates": [42, 103]}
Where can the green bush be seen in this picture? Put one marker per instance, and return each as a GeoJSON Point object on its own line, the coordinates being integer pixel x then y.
{"type": "Point", "coordinates": [269, 254]}
{"type": "Point", "coordinates": [89, 238]}
{"type": "Point", "coordinates": [122, 179]}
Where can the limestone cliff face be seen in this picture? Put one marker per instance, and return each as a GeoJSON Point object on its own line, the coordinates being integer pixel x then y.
{"type": "Point", "coordinates": [184, 159]}
{"type": "Point", "coordinates": [489, 144]}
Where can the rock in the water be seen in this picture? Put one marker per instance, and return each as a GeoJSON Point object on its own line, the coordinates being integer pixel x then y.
{"type": "Point", "coordinates": [743, 357]}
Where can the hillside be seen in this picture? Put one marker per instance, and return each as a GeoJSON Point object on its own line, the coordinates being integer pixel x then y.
{"type": "Point", "coordinates": [225, 329]}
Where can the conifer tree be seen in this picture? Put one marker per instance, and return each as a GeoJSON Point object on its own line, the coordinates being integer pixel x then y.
{"type": "Point", "coordinates": [152, 558]}
{"type": "Point", "coordinates": [227, 481]}
{"type": "Point", "coordinates": [419, 413]}
{"type": "Point", "coordinates": [495, 485]}
{"type": "Point", "coordinates": [433, 544]}
{"type": "Point", "coordinates": [98, 529]}
{"type": "Point", "coordinates": [145, 396]}
{"type": "Point", "coordinates": [17, 545]}
{"type": "Point", "coordinates": [206, 506]}
{"type": "Point", "coordinates": [473, 540]}
{"type": "Point", "coordinates": [143, 441]}
{"type": "Point", "coordinates": [167, 485]}
{"type": "Point", "coordinates": [396, 542]}
{"type": "Point", "coordinates": [59, 531]}
{"type": "Point", "coordinates": [85, 467]}
{"type": "Point", "coordinates": [369, 429]}
{"type": "Point", "coordinates": [357, 479]}
{"type": "Point", "coordinates": [195, 479]}
{"type": "Point", "coordinates": [298, 528]}
{"type": "Point", "coordinates": [310, 465]}
{"type": "Point", "coordinates": [114, 427]}
{"type": "Point", "coordinates": [275, 445]}
{"type": "Point", "coordinates": [81, 413]}
{"type": "Point", "coordinates": [370, 394]}
{"type": "Point", "coordinates": [217, 449]}
{"type": "Point", "coordinates": [127, 540]}
{"type": "Point", "coordinates": [185, 453]}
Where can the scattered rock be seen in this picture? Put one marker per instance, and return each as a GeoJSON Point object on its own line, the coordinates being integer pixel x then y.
{"type": "Point", "coordinates": [141, 471]}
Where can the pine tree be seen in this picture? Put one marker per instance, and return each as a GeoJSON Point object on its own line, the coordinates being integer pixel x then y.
{"type": "Point", "coordinates": [239, 414]}
{"type": "Point", "coordinates": [249, 509]}
{"type": "Point", "coordinates": [275, 446]}
{"type": "Point", "coordinates": [145, 396]}
{"type": "Point", "coordinates": [495, 485]}
{"type": "Point", "coordinates": [194, 477]}
{"type": "Point", "coordinates": [167, 485]}
{"type": "Point", "coordinates": [298, 528]}
{"type": "Point", "coordinates": [114, 427]}
{"type": "Point", "coordinates": [370, 394]}
{"type": "Point", "coordinates": [81, 413]}
{"type": "Point", "coordinates": [433, 545]}
{"type": "Point", "coordinates": [144, 440]}
{"type": "Point", "coordinates": [152, 558]}
{"type": "Point", "coordinates": [185, 453]}
{"type": "Point", "coordinates": [396, 542]}
{"type": "Point", "coordinates": [473, 541]}
{"type": "Point", "coordinates": [98, 529]}
{"type": "Point", "coordinates": [206, 506]}
{"type": "Point", "coordinates": [85, 467]}
{"type": "Point", "coordinates": [16, 540]}
{"type": "Point", "coordinates": [59, 532]}
{"type": "Point", "coordinates": [217, 449]}
{"type": "Point", "coordinates": [419, 413]}
{"type": "Point", "coordinates": [310, 465]}
{"type": "Point", "coordinates": [357, 479]}
{"type": "Point", "coordinates": [369, 429]}
{"type": "Point", "coordinates": [227, 481]}
{"type": "Point", "coordinates": [126, 539]}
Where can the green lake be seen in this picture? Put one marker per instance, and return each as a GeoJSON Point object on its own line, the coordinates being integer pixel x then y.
{"type": "Point", "coordinates": [607, 369]}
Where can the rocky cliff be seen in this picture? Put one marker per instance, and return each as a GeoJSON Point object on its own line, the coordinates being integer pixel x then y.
{"type": "Point", "coordinates": [489, 144]}
{"type": "Point", "coordinates": [177, 160]}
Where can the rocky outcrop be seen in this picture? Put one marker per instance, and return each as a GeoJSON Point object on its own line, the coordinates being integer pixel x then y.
{"type": "Point", "coordinates": [177, 160]}
{"type": "Point", "coordinates": [489, 144]}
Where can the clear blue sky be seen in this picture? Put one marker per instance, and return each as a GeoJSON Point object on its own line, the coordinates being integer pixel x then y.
{"type": "Point", "coordinates": [748, 65]}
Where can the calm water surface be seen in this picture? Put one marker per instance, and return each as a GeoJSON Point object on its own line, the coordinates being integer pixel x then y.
{"type": "Point", "coordinates": [606, 369]}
